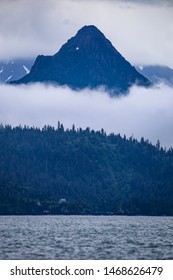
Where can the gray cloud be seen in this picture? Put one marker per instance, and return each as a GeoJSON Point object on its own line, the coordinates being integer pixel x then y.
{"type": "Point", "coordinates": [141, 2]}
{"type": "Point", "coordinates": [145, 2]}
{"type": "Point", "coordinates": [142, 33]}
{"type": "Point", "coordinates": [148, 2]}
{"type": "Point", "coordinates": [144, 112]}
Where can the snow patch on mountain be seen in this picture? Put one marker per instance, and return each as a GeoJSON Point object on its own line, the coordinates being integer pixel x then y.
{"type": "Point", "coordinates": [2, 69]}
{"type": "Point", "coordinates": [26, 69]}
{"type": "Point", "coordinates": [8, 78]}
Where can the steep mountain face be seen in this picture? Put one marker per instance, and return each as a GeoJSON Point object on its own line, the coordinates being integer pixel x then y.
{"type": "Point", "coordinates": [86, 60]}
{"type": "Point", "coordinates": [14, 69]}
{"type": "Point", "coordinates": [157, 74]}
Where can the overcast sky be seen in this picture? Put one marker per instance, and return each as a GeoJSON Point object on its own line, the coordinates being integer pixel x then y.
{"type": "Point", "coordinates": [142, 30]}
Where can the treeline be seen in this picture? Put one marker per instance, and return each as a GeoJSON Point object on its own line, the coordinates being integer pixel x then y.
{"type": "Point", "coordinates": [58, 171]}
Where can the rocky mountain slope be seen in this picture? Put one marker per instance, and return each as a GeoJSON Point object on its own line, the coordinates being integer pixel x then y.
{"type": "Point", "coordinates": [87, 60]}
{"type": "Point", "coordinates": [14, 69]}
{"type": "Point", "coordinates": [157, 74]}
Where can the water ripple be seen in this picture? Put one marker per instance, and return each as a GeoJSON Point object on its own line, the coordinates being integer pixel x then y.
{"type": "Point", "coordinates": [86, 237]}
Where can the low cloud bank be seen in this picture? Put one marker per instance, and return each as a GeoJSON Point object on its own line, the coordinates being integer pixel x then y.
{"type": "Point", "coordinates": [144, 112]}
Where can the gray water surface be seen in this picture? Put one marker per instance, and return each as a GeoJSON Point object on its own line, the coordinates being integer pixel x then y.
{"type": "Point", "coordinates": [86, 237]}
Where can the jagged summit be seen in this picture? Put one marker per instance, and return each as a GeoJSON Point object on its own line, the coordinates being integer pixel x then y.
{"type": "Point", "coordinates": [92, 29]}
{"type": "Point", "coordinates": [88, 34]}
{"type": "Point", "coordinates": [87, 60]}
{"type": "Point", "coordinates": [89, 31]}
{"type": "Point", "coordinates": [88, 37]}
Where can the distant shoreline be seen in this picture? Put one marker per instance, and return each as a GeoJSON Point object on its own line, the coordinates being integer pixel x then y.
{"type": "Point", "coordinates": [83, 215]}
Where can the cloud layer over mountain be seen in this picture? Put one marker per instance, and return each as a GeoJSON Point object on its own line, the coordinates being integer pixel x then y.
{"type": "Point", "coordinates": [144, 112]}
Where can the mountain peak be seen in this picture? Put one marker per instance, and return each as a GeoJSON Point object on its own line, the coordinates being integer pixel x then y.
{"type": "Point", "coordinates": [88, 37]}
{"type": "Point", "coordinates": [91, 30]}
{"type": "Point", "coordinates": [87, 60]}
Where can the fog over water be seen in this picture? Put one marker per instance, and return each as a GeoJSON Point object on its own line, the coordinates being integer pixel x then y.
{"type": "Point", "coordinates": [143, 113]}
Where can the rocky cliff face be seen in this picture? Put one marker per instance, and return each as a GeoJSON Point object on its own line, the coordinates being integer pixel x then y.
{"type": "Point", "coordinates": [87, 60]}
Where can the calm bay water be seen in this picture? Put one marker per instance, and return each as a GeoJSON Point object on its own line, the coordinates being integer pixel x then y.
{"type": "Point", "coordinates": [86, 237]}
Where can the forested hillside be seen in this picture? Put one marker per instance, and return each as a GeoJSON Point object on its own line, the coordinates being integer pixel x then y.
{"type": "Point", "coordinates": [57, 171]}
